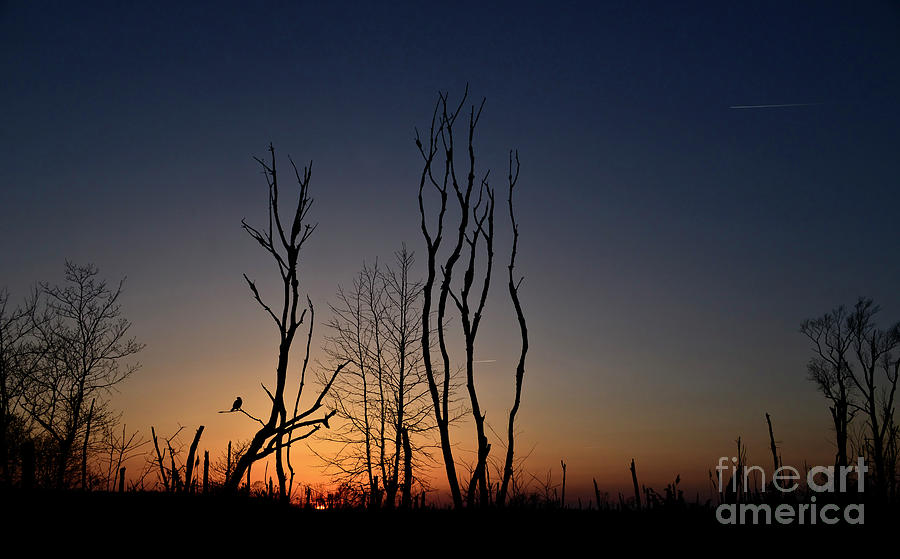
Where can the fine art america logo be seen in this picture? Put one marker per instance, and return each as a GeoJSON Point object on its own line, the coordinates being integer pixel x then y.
{"type": "Point", "coordinates": [823, 480]}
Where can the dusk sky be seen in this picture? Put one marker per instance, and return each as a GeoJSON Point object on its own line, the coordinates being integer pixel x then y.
{"type": "Point", "coordinates": [671, 244]}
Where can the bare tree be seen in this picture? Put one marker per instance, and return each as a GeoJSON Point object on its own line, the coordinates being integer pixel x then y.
{"type": "Point", "coordinates": [284, 244]}
{"type": "Point", "coordinates": [875, 376]}
{"type": "Point", "coordinates": [84, 345]}
{"type": "Point", "coordinates": [474, 236]}
{"type": "Point", "coordinates": [115, 450]}
{"type": "Point", "coordinates": [192, 462]}
{"type": "Point", "coordinates": [18, 357]}
{"type": "Point", "coordinates": [410, 411]}
{"type": "Point", "coordinates": [222, 466]}
{"type": "Point", "coordinates": [855, 367]}
{"type": "Point", "coordinates": [382, 392]}
{"type": "Point", "coordinates": [176, 474]}
{"type": "Point", "coordinates": [513, 287]}
{"type": "Point", "coordinates": [830, 369]}
{"type": "Point", "coordinates": [351, 337]}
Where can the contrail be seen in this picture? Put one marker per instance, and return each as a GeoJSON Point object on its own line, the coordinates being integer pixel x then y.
{"type": "Point", "coordinates": [486, 361]}
{"type": "Point", "coordinates": [773, 106]}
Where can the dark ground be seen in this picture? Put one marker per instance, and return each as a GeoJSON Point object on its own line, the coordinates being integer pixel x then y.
{"type": "Point", "coordinates": [124, 523]}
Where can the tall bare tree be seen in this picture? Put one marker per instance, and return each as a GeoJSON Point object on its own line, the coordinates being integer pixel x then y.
{"type": "Point", "coordinates": [382, 391]}
{"type": "Point", "coordinates": [18, 356]}
{"type": "Point", "coordinates": [875, 376]}
{"type": "Point", "coordinates": [830, 369]}
{"type": "Point", "coordinates": [283, 241]}
{"type": "Point", "coordinates": [513, 287]}
{"type": "Point", "coordinates": [474, 236]}
{"type": "Point", "coordinates": [855, 366]}
{"type": "Point", "coordinates": [84, 344]}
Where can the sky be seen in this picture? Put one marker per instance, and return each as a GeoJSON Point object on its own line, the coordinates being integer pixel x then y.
{"type": "Point", "coordinates": [671, 244]}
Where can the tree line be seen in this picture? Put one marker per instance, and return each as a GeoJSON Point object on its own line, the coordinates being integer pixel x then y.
{"type": "Point", "coordinates": [387, 395]}
{"type": "Point", "coordinates": [400, 366]}
{"type": "Point", "coordinates": [391, 380]}
{"type": "Point", "coordinates": [855, 367]}
{"type": "Point", "coordinates": [62, 351]}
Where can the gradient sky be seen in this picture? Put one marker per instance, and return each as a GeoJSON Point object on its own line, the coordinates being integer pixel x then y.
{"type": "Point", "coordinates": [671, 245]}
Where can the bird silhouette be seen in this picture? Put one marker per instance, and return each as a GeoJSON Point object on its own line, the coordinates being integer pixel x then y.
{"type": "Point", "coordinates": [237, 404]}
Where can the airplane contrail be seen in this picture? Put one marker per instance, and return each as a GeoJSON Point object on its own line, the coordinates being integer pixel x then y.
{"type": "Point", "coordinates": [486, 361]}
{"type": "Point", "coordinates": [773, 106]}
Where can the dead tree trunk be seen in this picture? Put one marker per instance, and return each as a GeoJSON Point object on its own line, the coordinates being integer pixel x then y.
{"type": "Point", "coordinates": [284, 245]}
{"type": "Point", "coordinates": [637, 491]}
{"type": "Point", "coordinates": [159, 458]}
{"type": "Point", "coordinates": [189, 465]}
{"type": "Point", "coordinates": [513, 287]}
{"type": "Point", "coordinates": [441, 131]}
{"type": "Point", "coordinates": [440, 151]}
{"type": "Point", "coordinates": [772, 443]}
{"type": "Point", "coordinates": [562, 497]}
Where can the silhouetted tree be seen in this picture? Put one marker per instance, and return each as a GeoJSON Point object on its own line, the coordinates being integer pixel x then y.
{"type": "Point", "coordinates": [855, 367]}
{"type": "Point", "coordinates": [382, 391]}
{"type": "Point", "coordinates": [222, 466]}
{"type": "Point", "coordinates": [875, 375]}
{"type": "Point", "coordinates": [830, 369]}
{"type": "Point", "coordinates": [16, 325]}
{"type": "Point", "coordinates": [283, 240]}
{"type": "Point", "coordinates": [177, 473]}
{"type": "Point", "coordinates": [84, 343]}
{"type": "Point", "coordinates": [115, 450]}
{"type": "Point", "coordinates": [474, 234]}
{"type": "Point", "coordinates": [18, 357]}
{"type": "Point", "coordinates": [776, 462]}
{"type": "Point", "coordinates": [513, 288]}
{"type": "Point", "coordinates": [190, 465]}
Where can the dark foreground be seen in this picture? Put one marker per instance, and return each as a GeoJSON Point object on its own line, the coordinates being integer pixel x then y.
{"type": "Point", "coordinates": [123, 523]}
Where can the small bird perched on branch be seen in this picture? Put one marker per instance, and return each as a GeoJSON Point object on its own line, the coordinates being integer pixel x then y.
{"type": "Point", "coordinates": [237, 404]}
